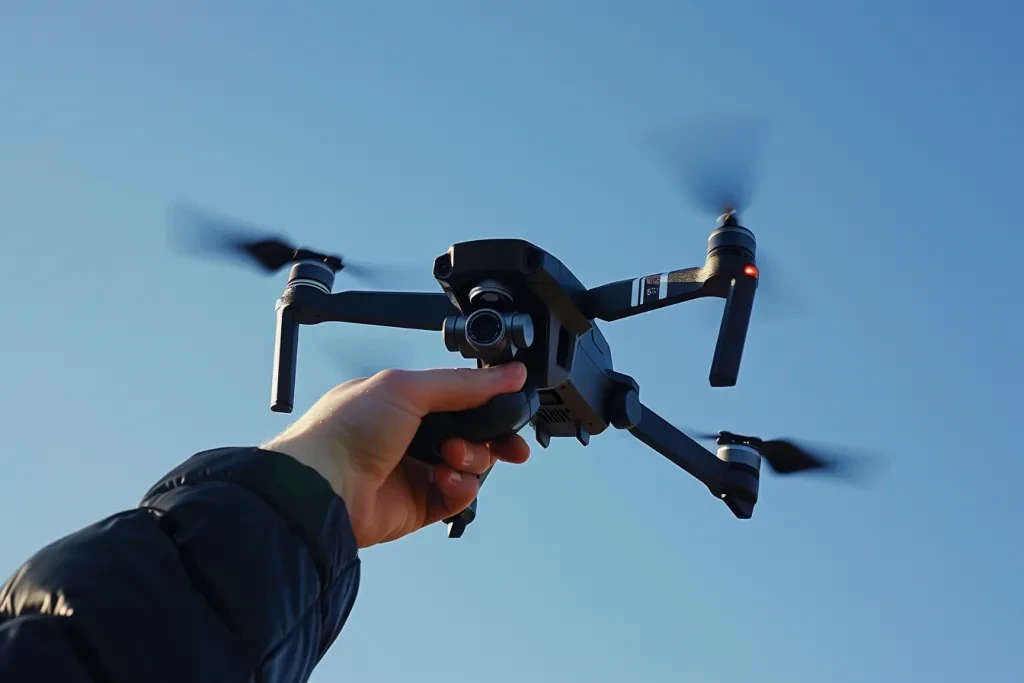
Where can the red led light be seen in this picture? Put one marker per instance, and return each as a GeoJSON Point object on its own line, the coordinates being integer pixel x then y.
{"type": "Point", "coordinates": [750, 270]}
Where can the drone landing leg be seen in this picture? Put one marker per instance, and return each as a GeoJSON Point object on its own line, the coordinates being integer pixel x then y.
{"type": "Point", "coordinates": [286, 352]}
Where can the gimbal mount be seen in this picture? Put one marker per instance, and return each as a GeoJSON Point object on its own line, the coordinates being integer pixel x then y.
{"type": "Point", "coordinates": [506, 299]}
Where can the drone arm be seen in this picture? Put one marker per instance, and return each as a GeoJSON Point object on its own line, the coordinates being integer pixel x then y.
{"type": "Point", "coordinates": [626, 298]}
{"type": "Point", "coordinates": [309, 305]}
{"type": "Point", "coordinates": [669, 441]}
{"type": "Point", "coordinates": [407, 310]}
{"type": "Point", "coordinates": [735, 283]}
{"type": "Point", "coordinates": [702, 464]}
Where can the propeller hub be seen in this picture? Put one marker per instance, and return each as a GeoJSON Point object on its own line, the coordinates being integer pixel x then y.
{"type": "Point", "coordinates": [728, 217]}
{"type": "Point", "coordinates": [733, 439]}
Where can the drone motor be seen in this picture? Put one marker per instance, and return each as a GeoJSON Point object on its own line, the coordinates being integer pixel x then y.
{"type": "Point", "coordinates": [744, 462]}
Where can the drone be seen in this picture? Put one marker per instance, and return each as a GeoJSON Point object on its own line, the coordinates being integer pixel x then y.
{"type": "Point", "coordinates": [505, 300]}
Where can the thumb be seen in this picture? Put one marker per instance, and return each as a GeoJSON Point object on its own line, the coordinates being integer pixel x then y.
{"type": "Point", "coordinates": [441, 390]}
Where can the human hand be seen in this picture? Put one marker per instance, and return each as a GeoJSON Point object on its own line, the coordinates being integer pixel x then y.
{"type": "Point", "coordinates": [356, 435]}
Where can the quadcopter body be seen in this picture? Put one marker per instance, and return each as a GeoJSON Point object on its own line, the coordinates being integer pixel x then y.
{"type": "Point", "coordinates": [508, 300]}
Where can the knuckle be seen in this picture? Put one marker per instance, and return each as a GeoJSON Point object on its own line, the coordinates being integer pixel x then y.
{"type": "Point", "coordinates": [392, 379]}
{"type": "Point", "coordinates": [347, 385]}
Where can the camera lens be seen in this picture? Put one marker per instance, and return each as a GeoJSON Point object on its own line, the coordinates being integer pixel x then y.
{"type": "Point", "coordinates": [484, 328]}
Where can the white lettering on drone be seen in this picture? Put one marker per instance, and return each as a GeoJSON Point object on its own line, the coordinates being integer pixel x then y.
{"type": "Point", "coordinates": [649, 288]}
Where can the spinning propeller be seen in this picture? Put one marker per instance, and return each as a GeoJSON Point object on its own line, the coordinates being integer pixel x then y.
{"type": "Point", "coordinates": [201, 232]}
{"type": "Point", "coordinates": [204, 233]}
{"type": "Point", "coordinates": [713, 162]}
{"type": "Point", "coordinates": [714, 165]}
{"type": "Point", "coordinates": [786, 456]}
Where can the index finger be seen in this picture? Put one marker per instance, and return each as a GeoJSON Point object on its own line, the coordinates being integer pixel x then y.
{"type": "Point", "coordinates": [450, 389]}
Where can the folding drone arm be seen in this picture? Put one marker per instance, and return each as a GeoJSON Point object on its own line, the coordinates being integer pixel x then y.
{"type": "Point", "coordinates": [406, 310]}
{"type": "Point", "coordinates": [309, 302]}
{"type": "Point", "coordinates": [734, 483]}
{"type": "Point", "coordinates": [626, 298]}
{"type": "Point", "coordinates": [729, 272]}
{"type": "Point", "coordinates": [731, 277]}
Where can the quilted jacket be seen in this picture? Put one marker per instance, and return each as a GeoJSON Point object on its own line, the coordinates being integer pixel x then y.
{"type": "Point", "coordinates": [238, 566]}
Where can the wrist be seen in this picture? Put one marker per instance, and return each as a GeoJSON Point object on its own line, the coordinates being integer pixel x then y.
{"type": "Point", "coordinates": [328, 464]}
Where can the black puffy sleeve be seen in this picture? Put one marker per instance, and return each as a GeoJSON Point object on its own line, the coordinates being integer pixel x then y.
{"type": "Point", "coordinates": [239, 565]}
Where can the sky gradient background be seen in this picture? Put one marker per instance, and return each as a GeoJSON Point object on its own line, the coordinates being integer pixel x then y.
{"type": "Point", "coordinates": [387, 131]}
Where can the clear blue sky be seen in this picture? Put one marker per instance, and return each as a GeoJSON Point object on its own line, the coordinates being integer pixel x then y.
{"type": "Point", "coordinates": [388, 130]}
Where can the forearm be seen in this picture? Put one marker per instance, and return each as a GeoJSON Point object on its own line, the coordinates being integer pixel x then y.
{"type": "Point", "coordinates": [238, 561]}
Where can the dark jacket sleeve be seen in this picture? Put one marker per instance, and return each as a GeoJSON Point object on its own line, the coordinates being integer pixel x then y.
{"type": "Point", "coordinates": [240, 565]}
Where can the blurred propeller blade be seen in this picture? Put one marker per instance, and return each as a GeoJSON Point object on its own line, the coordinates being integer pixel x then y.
{"type": "Point", "coordinates": [366, 359]}
{"type": "Point", "coordinates": [777, 299]}
{"type": "Point", "coordinates": [204, 233]}
{"type": "Point", "coordinates": [776, 291]}
{"type": "Point", "coordinates": [390, 276]}
{"type": "Point", "coordinates": [787, 456]}
{"type": "Point", "coordinates": [201, 232]}
{"type": "Point", "coordinates": [714, 161]}
{"type": "Point", "coordinates": [701, 436]}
